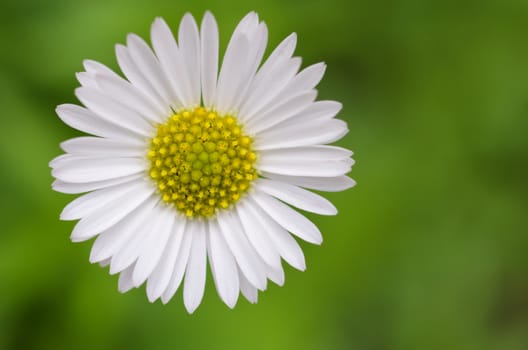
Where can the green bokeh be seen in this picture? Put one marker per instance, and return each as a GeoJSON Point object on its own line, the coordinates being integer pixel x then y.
{"type": "Point", "coordinates": [429, 251]}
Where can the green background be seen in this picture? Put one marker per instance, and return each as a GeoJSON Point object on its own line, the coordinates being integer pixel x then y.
{"type": "Point", "coordinates": [429, 251]}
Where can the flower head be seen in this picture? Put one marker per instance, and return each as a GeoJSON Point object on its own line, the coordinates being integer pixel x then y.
{"type": "Point", "coordinates": [190, 163]}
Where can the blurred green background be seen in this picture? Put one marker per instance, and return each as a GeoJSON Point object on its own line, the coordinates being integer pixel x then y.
{"type": "Point", "coordinates": [429, 251]}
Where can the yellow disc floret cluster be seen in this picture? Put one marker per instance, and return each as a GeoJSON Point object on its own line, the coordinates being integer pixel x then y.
{"type": "Point", "coordinates": [201, 161]}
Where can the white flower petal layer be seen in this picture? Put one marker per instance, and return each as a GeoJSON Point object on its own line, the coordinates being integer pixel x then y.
{"type": "Point", "coordinates": [241, 249]}
{"type": "Point", "coordinates": [296, 167]}
{"type": "Point", "coordinates": [109, 215]}
{"type": "Point", "coordinates": [328, 184]}
{"type": "Point", "coordinates": [235, 67]}
{"type": "Point", "coordinates": [101, 147]}
{"type": "Point", "coordinates": [195, 274]}
{"type": "Point", "coordinates": [112, 240]}
{"type": "Point", "coordinates": [257, 235]}
{"type": "Point", "coordinates": [112, 111]}
{"type": "Point", "coordinates": [281, 112]}
{"type": "Point", "coordinates": [189, 39]}
{"type": "Point", "coordinates": [288, 218]}
{"type": "Point", "coordinates": [271, 77]}
{"type": "Point", "coordinates": [247, 289]}
{"type": "Point", "coordinates": [306, 134]}
{"type": "Point", "coordinates": [86, 121]}
{"type": "Point", "coordinates": [171, 62]}
{"type": "Point", "coordinates": [179, 265]}
{"type": "Point", "coordinates": [153, 247]}
{"type": "Point", "coordinates": [81, 170]}
{"type": "Point", "coordinates": [286, 245]}
{"type": "Point", "coordinates": [87, 204]}
{"type": "Point", "coordinates": [209, 58]}
{"type": "Point", "coordinates": [74, 188]}
{"type": "Point", "coordinates": [223, 265]}
{"type": "Point", "coordinates": [159, 279]}
{"type": "Point", "coordinates": [144, 239]}
{"type": "Point", "coordinates": [142, 56]}
{"type": "Point", "coordinates": [125, 93]}
{"type": "Point", "coordinates": [297, 197]}
{"type": "Point", "coordinates": [136, 76]}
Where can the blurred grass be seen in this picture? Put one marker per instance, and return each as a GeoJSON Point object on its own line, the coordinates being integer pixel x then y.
{"type": "Point", "coordinates": [428, 251]}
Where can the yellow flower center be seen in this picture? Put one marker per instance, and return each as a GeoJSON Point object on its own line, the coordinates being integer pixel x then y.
{"type": "Point", "coordinates": [201, 162]}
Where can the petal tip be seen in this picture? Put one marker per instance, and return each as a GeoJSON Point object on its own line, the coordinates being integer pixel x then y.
{"type": "Point", "coordinates": [208, 15]}
{"type": "Point", "coordinates": [191, 307]}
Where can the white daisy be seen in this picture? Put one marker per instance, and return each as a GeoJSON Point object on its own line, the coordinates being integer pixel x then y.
{"type": "Point", "coordinates": [190, 163]}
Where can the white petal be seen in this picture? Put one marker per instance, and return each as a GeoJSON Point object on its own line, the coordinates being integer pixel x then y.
{"type": "Point", "coordinates": [242, 57]}
{"type": "Point", "coordinates": [261, 42]}
{"type": "Point", "coordinates": [179, 265]}
{"type": "Point", "coordinates": [301, 135]}
{"type": "Point", "coordinates": [329, 184]}
{"type": "Point", "coordinates": [223, 266]}
{"type": "Point", "coordinates": [317, 112]}
{"type": "Point", "coordinates": [265, 89]}
{"type": "Point", "coordinates": [319, 160]}
{"type": "Point", "coordinates": [105, 263]}
{"type": "Point", "coordinates": [125, 93]}
{"type": "Point", "coordinates": [136, 77]}
{"type": "Point", "coordinates": [159, 280]}
{"type": "Point", "coordinates": [171, 62]}
{"type": "Point", "coordinates": [286, 245]}
{"type": "Point", "coordinates": [308, 78]}
{"type": "Point", "coordinates": [74, 188]}
{"type": "Point", "coordinates": [94, 72]}
{"type": "Point", "coordinates": [259, 39]}
{"type": "Point", "coordinates": [257, 235]}
{"type": "Point", "coordinates": [298, 85]}
{"type": "Point", "coordinates": [297, 197]}
{"type": "Point", "coordinates": [97, 68]}
{"type": "Point", "coordinates": [274, 74]}
{"type": "Point", "coordinates": [281, 112]}
{"type": "Point", "coordinates": [61, 160]}
{"type": "Point", "coordinates": [282, 53]}
{"type": "Point", "coordinates": [247, 23]}
{"type": "Point", "coordinates": [111, 241]}
{"type": "Point", "coordinates": [143, 57]}
{"type": "Point", "coordinates": [96, 146]}
{"type": "Point", "coordinates": [93, 201]}
{"type": "Point", "coordinates": [209, 58]}
{"type": "Point", "coordinates": [112, 111]}
{"type": "Point", "coordinates": [247, 289]}
{"type": "Point", "coordinates": [239, 245]}
{"type": "Point", "coordinates": [86, 79]}
{"type": "Point", "coordinates": [125, 280]}
{"type": "Point", "coordinates": [234, 69]}
{"type": "Point", "coordinates": [154, 247]}
{"type": "Point", "coordinates": [284, 50]}
{"type": "Point", "coordinates": [84, 120]}
{"type": "Point", "coordinates": [276, 274]}
{"type": "Point", "coordinates": [193, 289]}
{"type": "Point", "coordinates": [308, 153]}
{"type": "Point", "coordinates": [288, 218]}
{"type": "Point", "coordinates": [299, 167]}
{"type": "Point", "coordinates": [106, 217]}
{"type": "Point", "coordinates": [257, 35]}
{"type": "Point", "coordinates": [80, 170]}
{"type": "Point", "coordinates": [189, 40]}
{"type": "Point", "coordinates": [136, 242]}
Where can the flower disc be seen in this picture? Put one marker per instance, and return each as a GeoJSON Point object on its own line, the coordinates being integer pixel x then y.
{"type": "Point", "coordinates": [201, 161]}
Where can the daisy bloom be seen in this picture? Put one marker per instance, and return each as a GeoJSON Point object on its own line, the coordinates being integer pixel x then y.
{"type": "Point", "coordinates": [192, 163]}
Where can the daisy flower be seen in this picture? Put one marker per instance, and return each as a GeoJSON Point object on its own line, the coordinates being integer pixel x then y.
{"type": "Point", "coordinates": [192, 163]}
